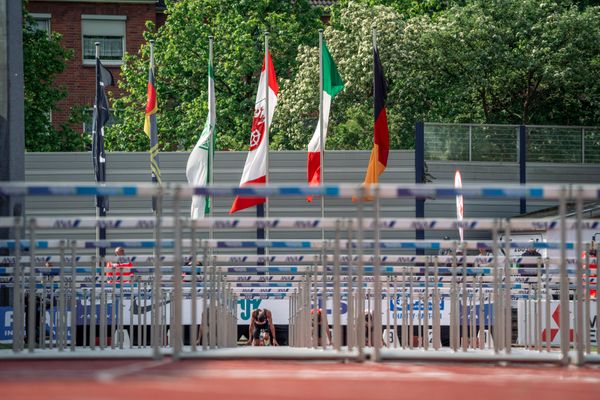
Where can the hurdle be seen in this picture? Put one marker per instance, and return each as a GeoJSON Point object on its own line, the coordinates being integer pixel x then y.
{"type": "Point", "coordinates": [455, 306]}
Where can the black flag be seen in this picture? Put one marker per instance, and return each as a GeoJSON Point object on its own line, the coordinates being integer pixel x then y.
{"type": "Point", "coordinates": [103, 78]}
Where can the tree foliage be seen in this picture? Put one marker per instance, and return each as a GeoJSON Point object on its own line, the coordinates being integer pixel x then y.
{"type": "Point", "coordinates": [408, 8]}
{"type": "Point", "coordinates": [489, 61]}
{"type": "Point", "coordinates": [181, 52]}
{"type": "Point", "coordinates": [349, 40]}
{"type": "Point", "coordinates": [518, 61]}
{"type": "Point", "coordinates": [43, 59]}
{"type": "Point", "coordinates": [481, 61]}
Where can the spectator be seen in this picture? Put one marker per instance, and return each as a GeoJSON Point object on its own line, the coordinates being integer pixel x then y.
{"type": "Point", "coordinates": [527, 268]}
{"type": "Point", "coordinates": [320, 319]}
{"type": "Point", "coordinates": [121, 267]}
{"type": "Point", "coordinates": [593, 247]}
{"type": "Point", "coordinates": [201, 328]}
{"type": "Point", "coordinates": [531, 252]}
{"type": "Point", "coordinates": [485, 252]}
{"type": "Point", "coordinates": [593, 268]}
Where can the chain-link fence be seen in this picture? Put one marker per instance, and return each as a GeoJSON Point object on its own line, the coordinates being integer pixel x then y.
{"type": "Point", "coordinates": [500, 143]}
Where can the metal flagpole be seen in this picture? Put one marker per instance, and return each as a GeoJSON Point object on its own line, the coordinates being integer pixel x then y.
{"type": "Point", "coordinates": [205, 324]}
{"type": "Point", "coordinates": [266, 138]}
{"type": "Point", "coordinates": [156, 289]}
{"type": "Point", "coordinates": [324, 324]}
{"type": "Point", "coordinates": [377, 266]}
{"type": "Point", "coordinates": [211, 142]}
{"type": "Point", "coordinates": [100, 211]}
{"type": "Point", "coordinates": [321, 138]}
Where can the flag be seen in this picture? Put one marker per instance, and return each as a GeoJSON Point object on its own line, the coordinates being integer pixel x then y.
{"type": "Point", "coordinates": [150, 125]}
{"type": "Point", "coordinates": [199, 163]}
{"type": "Point", "coordinates": [100, 118]}
{"type": "Point", "coordinates": [255, 169]}
{"type": "Point", "coordinates": [332, 85]}
{"type": "Point", "coordinates": [460, 204]}
{"type": "Point", "coordinates": [381, 137]}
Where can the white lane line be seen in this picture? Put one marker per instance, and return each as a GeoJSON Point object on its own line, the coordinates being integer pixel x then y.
{"type": "Point", "coordinates": [111, 374]}
{"type": "Point", "coordinates": [499, 378]}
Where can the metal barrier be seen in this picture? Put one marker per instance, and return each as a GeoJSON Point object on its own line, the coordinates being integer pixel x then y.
{"type": "Point", "coordinates": [347, 297]}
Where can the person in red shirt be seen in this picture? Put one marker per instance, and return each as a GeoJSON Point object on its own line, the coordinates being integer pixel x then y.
{"type": "Point", "coordinates": [593, 268]}
{"type": "Point", "coordinates": [121, 267]}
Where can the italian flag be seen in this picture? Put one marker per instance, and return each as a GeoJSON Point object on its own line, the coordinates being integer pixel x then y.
{"type": "Point", "coordinates": [200, 162]}
{"type": "Point", "coordinates": [332, 85]}
{"type": "Point", "coordinates": [255, 169]}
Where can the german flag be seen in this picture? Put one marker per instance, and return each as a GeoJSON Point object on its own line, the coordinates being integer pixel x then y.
{"type": "Point", "coordinates": [381, 136]}
{"type": "Point", "coordinates": [150, 126]}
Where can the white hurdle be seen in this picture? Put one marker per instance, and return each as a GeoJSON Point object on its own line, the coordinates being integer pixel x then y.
{"type": "Point", "coordinates": [353, 285]}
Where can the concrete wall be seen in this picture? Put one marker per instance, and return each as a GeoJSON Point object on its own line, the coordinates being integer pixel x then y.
{"type": "Point", "coordinates": [288, 167]}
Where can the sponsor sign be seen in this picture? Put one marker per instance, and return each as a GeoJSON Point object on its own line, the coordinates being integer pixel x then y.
{"type": "Point", "coordinates": [7, 316]}
{"type": "Point", "coordinates": [279, 308]}
{"type": "Point", "coordinates": [552, 331]}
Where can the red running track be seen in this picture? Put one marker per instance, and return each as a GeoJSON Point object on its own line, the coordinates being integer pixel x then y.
{"type": "Point", "coordinates": [282, 380]}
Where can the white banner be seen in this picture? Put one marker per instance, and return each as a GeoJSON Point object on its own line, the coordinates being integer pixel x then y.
{"type": "Point", "coordinates": [278, 307]}
{"type": "Point", "coordinates": [280, 310]}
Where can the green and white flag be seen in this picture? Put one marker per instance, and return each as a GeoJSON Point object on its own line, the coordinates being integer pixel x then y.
{"type": "Point", "coordinates": [332, 85]}
{"type": "Point", "coordinates": [199, 165]}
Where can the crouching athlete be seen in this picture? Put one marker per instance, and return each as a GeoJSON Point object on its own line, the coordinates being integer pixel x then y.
{"type": "Point", "coordinates": [262, 329]}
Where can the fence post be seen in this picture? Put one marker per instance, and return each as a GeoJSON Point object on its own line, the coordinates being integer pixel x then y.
{"type": "Point", "coordinates": [583, 145]}
{"type": "Point", "coordinates": [470, 143]}
{"type": "Point", "coordinates": [420, 177]}
{"type": "Point", "coordinates": [522, 164]}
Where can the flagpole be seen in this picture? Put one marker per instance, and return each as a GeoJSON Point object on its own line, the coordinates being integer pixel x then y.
{"type": "Point", "coordinates": [156, 205]}
{"type": "Point", "coordinates": [321, 135]}
{"type": "Point", "coordinates": [267, 122]}
{"type": "Point", "coordinates": [100, 211]}
{"type": "Point", "coordinates": [211, 140]}
{"type": "Point", "coordinates": [322, 168]}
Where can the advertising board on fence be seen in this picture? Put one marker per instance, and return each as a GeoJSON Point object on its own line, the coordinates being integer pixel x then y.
{"type": "Point", "coordinates": [526, 324]}
{"type": "Point", "coordinates": [279, 308]}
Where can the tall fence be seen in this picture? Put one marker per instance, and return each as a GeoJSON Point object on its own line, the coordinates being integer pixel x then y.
{"type": "Point", "coordinates": [501, 143]}
{"type": "Point", "coordinates": [354, 295]}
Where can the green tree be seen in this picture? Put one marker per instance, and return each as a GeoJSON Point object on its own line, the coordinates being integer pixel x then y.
{"type": "Point", "coordinates": [181, 52]}
{"type": "Point", "coordinates": [408, 8]}
{"type": "Point", "coordinates": [489, 61]}
{"type": "Point", "coordinates": [349, 40]}
{"type": "Point", "coordinates": [518, 61]}
{"type": "Point", "coordinates": [43, 59]}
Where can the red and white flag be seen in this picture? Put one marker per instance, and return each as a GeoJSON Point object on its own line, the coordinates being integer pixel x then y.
{"type": "Point", "coordinates": [255, 169]}
{"type": "Point", "coordinates": [460, 204]}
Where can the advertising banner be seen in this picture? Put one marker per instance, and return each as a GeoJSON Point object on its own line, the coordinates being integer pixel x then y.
{"type": "Point", "coordinates": [133, 311]}
{"type": "Point", "coordinates": [526, 324]}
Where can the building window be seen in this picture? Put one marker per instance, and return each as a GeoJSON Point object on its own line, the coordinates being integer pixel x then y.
{"type": "Point", "coordinates": [41, 21]}
{"type": "Point", "coordinates": [109, 31]}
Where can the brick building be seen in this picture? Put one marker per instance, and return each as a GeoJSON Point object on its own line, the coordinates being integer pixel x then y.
{"type": "Point", "coordinates": [118, 26]}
